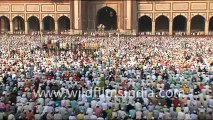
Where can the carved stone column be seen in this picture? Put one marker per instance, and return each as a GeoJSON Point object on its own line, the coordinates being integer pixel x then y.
{"type": "Point", "coordinates": [11, 27]}
{"type": "Point", "coordinates": [56, 26]}
{"type": "Point", "coordinates": [153, 27]}
{"type": "Point", "coordinates": [206, 27]}
{"type": "Point", "coordinates": [170, 27]}
{"type": "Point", "coordinates": [26, 27]}
{"type": "Point", "coordinates": [188, 28]}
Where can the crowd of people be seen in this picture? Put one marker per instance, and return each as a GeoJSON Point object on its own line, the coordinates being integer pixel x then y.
{"type": "Point", "coordinates": [105, 78]}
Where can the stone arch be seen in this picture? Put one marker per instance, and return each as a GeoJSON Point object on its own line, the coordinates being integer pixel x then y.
{"type": "Point", "coordinates": [4, 24]}
{"type": "Point", "coordinates": [48, 23]}
{"type": "Point", "coordinates": [63, 23]}
{"type": "Point", "coordinates": [144, 24]}
{"type": "Point", "coordinates": [179, 23]}
{"type": "Point", "coordinates": [107, 16]}
{"type": "Point", "coordinates": [33, 24]}
{"type": "Point", "coordinates": [162, 24]}
{"type": "Point", "coordinates": [17, 15]}
{"type": "Point", "coordinates": [18, 24]}
{"type": "Point", "coordinates": [61, 15]}
{"type": "Point", "coordinates": [195, 27]}
{"type": "Point", "coordinates": [211, 24]}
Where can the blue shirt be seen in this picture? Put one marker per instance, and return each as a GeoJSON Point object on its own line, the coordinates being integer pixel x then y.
{"type": "Point", "coordinates": [82, 109]}
{"type": "Point", "coordinates": [163, 94]}
{"type": "Point", "coordinates": [89, 99]}
{"type": "Point", "coordinates": [132, 112]}
{"type": "Point", "coordinates": [57, 103]}
{"type": "Point", "coordinates": [136, 88]}
{"type": "Point", "coordinates": [73, 103]}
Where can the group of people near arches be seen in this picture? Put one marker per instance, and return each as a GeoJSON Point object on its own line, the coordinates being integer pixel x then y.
{"type": "Point", "coordinates": [144, 73]}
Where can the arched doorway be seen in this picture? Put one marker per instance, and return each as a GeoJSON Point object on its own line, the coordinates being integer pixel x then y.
{"type": "Point", "coordinates": [211, 24]}
{"type": "Point", "coordinates": [179, 24]}
{"type": "Point", "coordinates": [18, 24]}
{"type": "Point", "coordinates": [107, 17]}
{"type": "Point", "coordinates": [63, 24]}
{"type": "Point", "coordinates": [33, 24]}
{"type": "Point", "coordinates": [48, 24]}
{"type": "Point", "coordinates": [162, 24]}
{"type": "Point", "coordinates": [144, 24]}
{"type": "Point", "coordinates": [4, 24]}
{"type": "Point", "coordinates": [198, 24]}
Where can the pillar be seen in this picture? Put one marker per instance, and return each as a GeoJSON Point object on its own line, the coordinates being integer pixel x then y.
{"type": "Point", "coordinates": [170, 27]}
{"type": "Point", "coordinates": [56, 26]}
{"type": "Point", "coordinates": [77, 17]}
{"type": "Point", "coordinates": [41, 26]}
{"type": "Point", "coordinates": [71, 14]}
{"type": "Point", "coordinates": [153, 27]}
{"type": "Point", "coordinates": [188, 28]}
{"type": "Point", "coordinates": [76, 14]}
{"type": "Point", "coordinates": [128, 14]}
{"type": "Point", "coordinates": [11, 27]}
{"type": "Point", "coordinates": [206, 27]}
{"type": "Point", "coordinates": [134, 17]}
{"type": "Point", "coordinates": [26, 27]}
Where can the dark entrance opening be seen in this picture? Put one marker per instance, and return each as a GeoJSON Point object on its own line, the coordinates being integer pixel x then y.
{"type": "Point", "coordinates": [179, 24]}
{"type": "Point", "coordinates": [49, 24]}
{"type": "Point", "coordinates": [107, 17]}
{"type": "Point", "coordinates": [63, 24]}
{"type": "Point", "coordinates": [162, 24]}
{"type": "Point", "coordinates": [4, 24]}
{"type": "Point", "coordinates": [145, 24]}
{"type": "Point", "coordinates": [33, 24]}
{"type": "Point", "coordinates": [18, 24]}
{"type": "Point", "coordinates": [198, 23]}
{"type": "Point", "coordinates": [211, 24]}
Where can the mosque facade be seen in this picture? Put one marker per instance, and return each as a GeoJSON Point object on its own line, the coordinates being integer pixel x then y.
{"type": "Point", "coordinates": [127, 16]}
